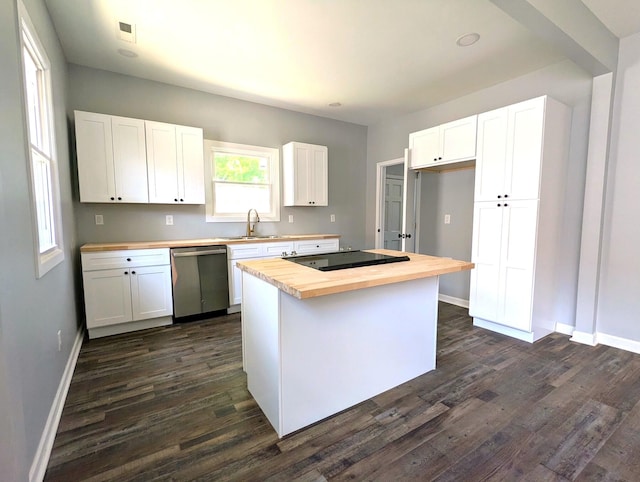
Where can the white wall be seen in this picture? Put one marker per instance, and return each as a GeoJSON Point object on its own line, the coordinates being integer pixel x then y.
{"type": "Point", "coordinates": [619, 303]}
{"type": "Point", "coordinates": [31, 310]}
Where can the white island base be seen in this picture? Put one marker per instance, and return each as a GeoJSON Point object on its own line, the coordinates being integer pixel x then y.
{"type": "Point", "coordinates": [307, 359]}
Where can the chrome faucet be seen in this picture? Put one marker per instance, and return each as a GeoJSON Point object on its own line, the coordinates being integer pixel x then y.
{"type": "Point", "coordinates": [250, 230]}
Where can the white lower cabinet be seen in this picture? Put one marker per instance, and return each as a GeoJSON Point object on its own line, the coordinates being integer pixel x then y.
{"type": "Point", "coordinates": [125, 289]}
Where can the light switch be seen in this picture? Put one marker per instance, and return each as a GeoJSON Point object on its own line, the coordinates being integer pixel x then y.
{"type": "Point", "coordinates": [169, 220]}
{"type": "Point", "coordinates": [99, 220]}
{"type": "Point", "coordinates": [447, 219]}
{"type": "Point", "coordinates": [333, 218]}
{"type": "Point", "coordinates": [290, 218]}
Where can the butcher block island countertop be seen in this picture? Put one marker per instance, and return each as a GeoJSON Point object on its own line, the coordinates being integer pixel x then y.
{"type": "Point", "coordinates": [304, 282]}
{"type": "Point", "coordinates": [185, 243]}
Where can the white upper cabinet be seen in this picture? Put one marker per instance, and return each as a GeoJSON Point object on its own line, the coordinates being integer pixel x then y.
{"type": "Point", "coordinates": [444, 144]}
{"type": "Point", "coordinates": [510, 152]}
{"type": "Point", "coordinates": [111, 156]}
{"type": "Point", "coordinates": [136, 161]}
{"type": "Point", "coordinates": [175, 163]}
{"type": "Point", "coordinates": [305, 174]}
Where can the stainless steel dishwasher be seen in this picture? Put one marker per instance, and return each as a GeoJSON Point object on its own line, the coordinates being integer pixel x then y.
{"type": "Point", "coordinates": [200, 281]}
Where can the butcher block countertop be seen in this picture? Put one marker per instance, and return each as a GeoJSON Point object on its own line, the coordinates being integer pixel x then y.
{"type": "Point", "coordinates": [184, 243]}
{"type": "Point", "coordinates": [304, 282]}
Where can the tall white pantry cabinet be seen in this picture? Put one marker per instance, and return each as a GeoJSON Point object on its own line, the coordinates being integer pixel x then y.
{"type": "Point", "coordinates": [521, 170]}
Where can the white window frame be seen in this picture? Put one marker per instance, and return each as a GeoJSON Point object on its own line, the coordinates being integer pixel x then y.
{"type": "Point", "coordinates": [273, 154]}
{"type": "Point", "coordinates": [44, 181]}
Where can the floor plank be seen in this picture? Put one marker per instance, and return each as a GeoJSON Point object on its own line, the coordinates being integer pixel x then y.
{"type": "Point", "coordinates": [171, 403]}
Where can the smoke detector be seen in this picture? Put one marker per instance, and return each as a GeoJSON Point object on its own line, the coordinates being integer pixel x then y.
{"type": "Point", "coordinates": [126, 31]}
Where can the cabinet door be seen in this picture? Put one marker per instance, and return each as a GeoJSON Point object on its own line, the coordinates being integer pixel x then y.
{"type": "Point", "coordinates": [235, 282]}
{"type": "Point", "coordinates": [130, 160]}
{"type": "Point", "coordinates": [516, 265]}
{"type": "Point", "coordinates": [107, 297]}
{"type": "Point", "coordinates": [524, 149]}
{"type": "Point", "coordinates": [424, 147]}
{"type": "Point", "coordinates": [486, 254]}
{"type": "Point", "coordinates": [190, 149]}
{"type": "Point", "coordinates": [319, 176]}
{"type": "Point", "coordinates": [162, 162]}
{"type": "Point", "coordinates": [458, 140]}
{"type": "Point", "coordinates": [95, 157]}
{"type": "Point", "coordinates": [151, 292]}
{"type": "Point", "coordinates": [492, 155]}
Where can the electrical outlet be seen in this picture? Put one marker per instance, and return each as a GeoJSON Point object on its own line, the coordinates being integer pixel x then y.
{"type": "Point", "coordinates": [290, 218]}
{"type": "Point", "coordinates": [99, 220]}
{"type": "Point", "coordinates": [333, 218]}
{"type": "Point", "coordinates": [59, 340]}
{"type": "Point", "coordinates": [169, 221]}
{"type": "Point", "coordinates": [447, 219]}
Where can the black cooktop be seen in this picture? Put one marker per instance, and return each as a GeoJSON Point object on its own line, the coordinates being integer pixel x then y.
{"type": "Point", "coordinates": [344, 260]}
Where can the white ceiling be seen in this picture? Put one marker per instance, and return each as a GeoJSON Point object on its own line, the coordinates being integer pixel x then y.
{"type": "Point", "coordinates": [377, 58]}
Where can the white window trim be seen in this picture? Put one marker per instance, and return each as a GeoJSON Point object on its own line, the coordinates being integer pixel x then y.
{"type": "Point", "coordinates": [46, 261]}
{"type": "Point", "coordinates": [274, 163]}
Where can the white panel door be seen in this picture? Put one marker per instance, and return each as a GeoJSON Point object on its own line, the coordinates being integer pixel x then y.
{"type": "Point", "coordinates": [94, 149]}
{"type": "Point", "coordinates": [235, 282]}
{"type": "Point", "coordinates": [190, 164]}
{"type": "Point", "coordinates": [162, 162]}
{"type": "Point", "coordinates": [486, 254]}
{"type": "Point", "coordinates": [302, 174]}
{"type": "Point", "coordinates": [516, 265]}
{"type": "Point", "coordinates": [424, 147]}
{"type": "Point", "coordinates": [410, 205]}
{"type": "Point", "coordinates": [492, 155]}
{"type": "Point", "coordinates": [107, 297]}
{"type": "Point", "coordinates": [524, 149]}
{"type": "Point", "coordinates": [130, 160]}
{"type": "Point", "coordinates": [458, 139]}
{"type": "Point", "coordinates": [319, 179]}
{"type": "Point", "coordinates": [151, 292]}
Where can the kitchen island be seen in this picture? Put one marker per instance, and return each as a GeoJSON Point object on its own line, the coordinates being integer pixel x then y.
{"type": "Point", "coordinates": [315, 343]}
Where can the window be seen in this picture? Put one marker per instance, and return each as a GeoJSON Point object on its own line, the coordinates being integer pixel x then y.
{"type": "Point", "coordinates": [239, 178]}
{"type": "Point", "coordinates": [42, 152]}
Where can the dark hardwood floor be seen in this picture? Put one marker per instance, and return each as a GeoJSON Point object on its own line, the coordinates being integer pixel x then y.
{"type": "Point", "coordinates": [172, 404]}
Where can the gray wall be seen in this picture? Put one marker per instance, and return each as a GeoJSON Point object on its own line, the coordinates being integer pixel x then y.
{"type": "Point", "coordinates": [448, 193]}
{"type": "Point", "coordinates": [31, 310]}
{"type": "Point", "coordinates": [229, 120]}
{"type": "Point", "coordinates": [619, 303]}
{"type": "Point", "coordinates": [563, 81]}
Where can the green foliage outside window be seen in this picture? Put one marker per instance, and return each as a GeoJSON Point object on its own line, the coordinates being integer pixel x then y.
{"type": "Point", "coordinates": [235, 168]}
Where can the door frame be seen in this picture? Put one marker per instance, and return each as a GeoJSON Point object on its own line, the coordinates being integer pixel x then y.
{"type": "Point", "coordinates": [381, 168]}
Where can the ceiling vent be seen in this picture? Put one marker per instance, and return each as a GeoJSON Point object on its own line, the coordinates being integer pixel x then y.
{"type": "Point", "coordinates": [127, 32]}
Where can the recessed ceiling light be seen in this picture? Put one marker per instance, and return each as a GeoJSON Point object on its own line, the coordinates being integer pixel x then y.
{"type": "Point", "coordinates": [127, 53]}
{"type": "Point", "coordinates": [468, 39]}
{"type": "Point", "coordinates": [335, 104]}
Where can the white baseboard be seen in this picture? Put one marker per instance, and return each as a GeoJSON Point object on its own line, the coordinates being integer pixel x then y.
{"type": "Point", "coordinates": [618, 342]}
{"type": "Point", "coordinates": [453, 301]}
{"type": "Point", "coordinates": [584, 338]}
{"type": "Point", "coordinates": [565, 329]}
{"type": "Point", "coordinates": [41, 458]}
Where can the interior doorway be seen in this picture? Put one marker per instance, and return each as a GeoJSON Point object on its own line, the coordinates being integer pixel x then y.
{"type": "Point", "coordinates": [395, 206]}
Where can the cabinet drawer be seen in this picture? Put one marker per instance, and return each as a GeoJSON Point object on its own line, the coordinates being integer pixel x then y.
{"type": "Point", "coordinates": [316, 246]}
{"type": "Point", "coordinates": [244, 251]}
{"type": "Point", "coordinates": [276, 249]}
{"type": "Point", "coordinates": [124, 258]}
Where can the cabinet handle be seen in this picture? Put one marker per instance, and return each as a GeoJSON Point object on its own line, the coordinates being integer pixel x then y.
{"type": "Point", "coordinates": [133, 272]}
{"type": "Point", "coordinates": [506, 196]}
{"type": "Point", "coordinates": [119, 198]}
{"type": "Point", "coordinates": [126, 272]}
{"type": "Point", "coordinates": [112, 198]}
{"type": "Point", "coordinates": [435, 158]}
{"type": "Point", "coordinates": [181, 200]}
{"type": "Point", "coordinates": [505, 205]}
{"type": "Point", "coordinates": [499, 196]}
{"type": "Point", "coordinates": [439, 158]}
{"type": "Point", "coordinates": [128, 259]}
{"type": "Point", "coordinates": [499, 204]}
{"type": "Point", "coordinates": [175, 199]}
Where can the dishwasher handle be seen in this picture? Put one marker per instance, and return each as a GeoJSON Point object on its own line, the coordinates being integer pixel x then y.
{"type": "Point", "coordinates": [199, 253]}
